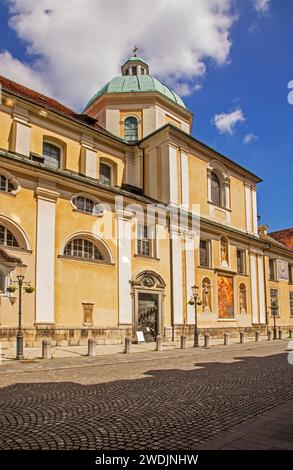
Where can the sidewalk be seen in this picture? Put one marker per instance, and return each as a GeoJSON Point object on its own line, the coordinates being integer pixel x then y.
{"type": "Point", "coordinates": [272, 430]}
{"type": "Point", "coordinates": [7, 353]}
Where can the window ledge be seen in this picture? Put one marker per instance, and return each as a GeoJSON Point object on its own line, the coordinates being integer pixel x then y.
{"type": "Point", "coordinates": [15, 248]}
{"type": "Point", "coordinates": [220, 207]}
{"type": "Point", "coordinates": [86, 260]}
{"type": "Point", "coordinates": [6, 193]}
{"type": "Point", "coordinates": [226, 319]}
{"type": "Point", "coordinates": [151, 258]}
{"type": "Point", "coordinates": [88, 213]}
{"type": "Point", "coordinates": [205, 267]}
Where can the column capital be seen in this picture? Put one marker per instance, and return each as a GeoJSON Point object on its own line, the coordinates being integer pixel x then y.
{"type": "Point", "coordinates": [46, 194]}
{"type": "Point", "coordinates": [124, 215]}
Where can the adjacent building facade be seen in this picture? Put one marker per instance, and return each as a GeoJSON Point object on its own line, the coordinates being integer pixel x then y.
{"type": "Point", "coordinates": [74, 197]}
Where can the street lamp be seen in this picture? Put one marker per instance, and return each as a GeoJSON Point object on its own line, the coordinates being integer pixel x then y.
{"type": "Point", "coordinates": [196, 302]}
{"type": "Point", "coordinates": [20, 271]}
{"type": "Point", "coordinates": [274, 308]}
{"type": "Point", "coordinates": [19, 338]}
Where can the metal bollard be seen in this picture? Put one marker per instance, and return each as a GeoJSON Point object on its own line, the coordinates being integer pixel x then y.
{"type": "Point", "coordinates": [270, 335]}
{"type": "Point", "coordinates": [226, 339]}
{"type": "Point", "coordinates": [92, 347]}
{"type": "Point", "coordinates": [241, 337]}
{"type": "Point", "coordinates": [196, 339]}
{"type": "Point", "coordinates": [207, 340]}
{"type": "Point", "coordinates": [183, 342]}
{"type": "Point", "coordinates": [280, 334]}
{"type": "Point", "coordinates": [128, 342]}
{"type": "Point", "coordinates": [290, 334]}
{"type": "Point", "coordinates": [46, 349]}
{"type": "Point", "coordinates": [257, 336]}
{"type": "Point", "coordinates": [159, 346]}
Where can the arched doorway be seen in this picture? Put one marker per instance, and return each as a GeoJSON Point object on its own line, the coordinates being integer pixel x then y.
{"type": "Point", "coordinates": [148, 294]}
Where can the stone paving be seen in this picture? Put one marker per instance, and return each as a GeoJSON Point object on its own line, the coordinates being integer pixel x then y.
{"type": "Point", "coordinates": [175, 399]}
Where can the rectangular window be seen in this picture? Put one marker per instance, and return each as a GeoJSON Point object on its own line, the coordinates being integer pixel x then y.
{"type": "Point", "coordinates": [204, 253]}
{"type": "Point", "coordinates": [134, 70]}
{"type": "Point", "coordinates": [2, 283]}
{"type": "Point", "coordinates": [274, 302]}
{"type": "Point", "coordinates": [145, 240]}
{"type": "Point", "coordinates": [272, 264]}
{"type": "Point", "coordinates": [240, 262]}
{"type": "Point", "coordinates": [291, 304]}
{"type": "Point", "coordinates": [290, 273]}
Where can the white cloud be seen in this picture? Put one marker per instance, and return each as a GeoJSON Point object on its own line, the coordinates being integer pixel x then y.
{"type": "Point", "coordinates": [16, 70]}
{"type": "Point", "coordinates": [225, 122]}
{"type": "Point", "coordinates": [261, 6]}
{"type": "Point", "coordinates": [251, 137]}
{"type": "Point", "coordinates": [75, 46]}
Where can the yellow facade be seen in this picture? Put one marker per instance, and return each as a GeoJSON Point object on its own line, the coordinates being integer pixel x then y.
{"type": "Point", "coordinates": [91, 279]}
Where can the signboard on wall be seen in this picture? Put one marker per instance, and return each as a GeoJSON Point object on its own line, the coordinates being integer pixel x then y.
{"type": "Point", "coordinates": [282, 270]}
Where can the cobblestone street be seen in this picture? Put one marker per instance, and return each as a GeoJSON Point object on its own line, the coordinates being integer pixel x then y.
{"type": "Point", "coordinates": [181, 399]}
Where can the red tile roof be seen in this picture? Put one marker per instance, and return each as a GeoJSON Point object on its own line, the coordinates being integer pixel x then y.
{"type": "Point", "coordinates": [284, 236]}
{"type": "Point", "coordinates": [49, 103]}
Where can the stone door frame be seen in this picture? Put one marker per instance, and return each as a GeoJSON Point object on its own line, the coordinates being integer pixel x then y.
{"type": "Point", "coordinates": [148, 282]}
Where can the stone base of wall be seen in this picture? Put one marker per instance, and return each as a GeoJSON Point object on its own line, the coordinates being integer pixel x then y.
{"type": "Point", "coordinates": [65, 336]}
{"type": "Point", "coordinates": [33, 337]}
{"type": "Point", "coordinates": [218, 333]}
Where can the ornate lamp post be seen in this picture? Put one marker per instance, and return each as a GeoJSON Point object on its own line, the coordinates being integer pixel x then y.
{"type": "Point", "coordinates": [274, 308]}
{"type": "Point", "coordinates": [20, 270]}
{"type": "Point", "coordinates": [196, 302]}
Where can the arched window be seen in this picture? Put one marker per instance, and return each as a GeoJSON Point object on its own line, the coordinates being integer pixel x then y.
{"type": "Point", "coordinates": [216, 189]}
{"type": "Point", "coordinates": [242, 298]}
{"type": "Point", "coordinates": [206, 294]}
{"type": "Point", "coordinates": [52, 154]}
{"type": "Point", "coordinates": [85, 249]}
{"type": "Point", "coordinates": [5, 185]}
{"type": "Point", "coordinates": [7, 238]}
{"type": "Point", "coordinates": [131, 129]}
{"type": "Point", "coordinates": [105, 173]}
{"type": "Point", "coordinates": [84, 204]}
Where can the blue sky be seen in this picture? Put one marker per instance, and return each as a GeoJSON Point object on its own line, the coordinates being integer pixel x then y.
{"type": "Point", "coordinates": [250, 76]}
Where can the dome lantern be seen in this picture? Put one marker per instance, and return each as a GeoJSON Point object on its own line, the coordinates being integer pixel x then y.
{"type": "Point", "coordinates": [135, 65]}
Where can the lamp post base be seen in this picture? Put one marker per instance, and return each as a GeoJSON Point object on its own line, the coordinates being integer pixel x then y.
{"type": "Point", "coordinates": [196, 339]}
{"type": "Point", "coordinates": [19, 347]}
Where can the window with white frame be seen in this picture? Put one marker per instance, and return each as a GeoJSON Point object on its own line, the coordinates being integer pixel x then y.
{"type": "Point", "coordinates": [85, 204]}
{"type": "Point", "coordinates": [5, 185]}
{"type": "Point", "coordinates": [7, 238]}
{"type": "Point", "coordinates": [84, 249]}
{"type": "Point", "coordinates": [241, 262]}
{"type": "Point", "coordinates": [131, 129]}
{"type": "Point", "coordinates": [145, 240]}
{"type": "Point", "coordinates": [105, 173]}
{"type": "Point", "coordinates": [274, 293]}
{"type": "Point", "coordinates": [52, 154]}
{"type": "Point", "coordinates": [205, 253]}
{"type": "Point", "coordinates": [272, 270]}
{"type": "Point", "coordinates": [216, 191]}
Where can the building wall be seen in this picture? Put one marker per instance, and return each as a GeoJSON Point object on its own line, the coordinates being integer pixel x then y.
{"type": "Point", "coordinates": [174, 172]}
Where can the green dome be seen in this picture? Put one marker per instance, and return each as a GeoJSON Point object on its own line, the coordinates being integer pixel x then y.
{"type": "Point", "coordinates": [137, 83]}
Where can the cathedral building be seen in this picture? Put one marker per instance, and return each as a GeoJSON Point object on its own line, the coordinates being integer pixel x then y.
{"type": "Point", "coordinates": [75, 191]}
